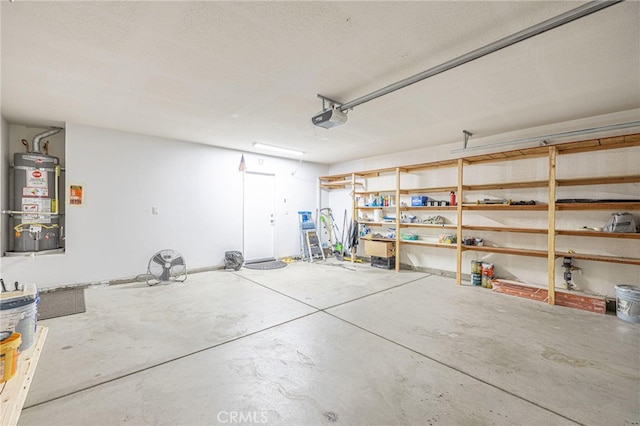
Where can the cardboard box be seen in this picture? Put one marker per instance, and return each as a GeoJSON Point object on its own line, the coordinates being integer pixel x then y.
{"type": "Point", "coordinates": [380, 248]}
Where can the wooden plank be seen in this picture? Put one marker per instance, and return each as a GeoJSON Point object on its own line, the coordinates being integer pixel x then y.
{"type": "Point", "coordinates": [517, 154]}
{"type": "Point", "coordinates": [536, 207]}
{"type": "Point", "coordinates": [428, 166]}
{"type": "Point", "coordinates": [458, 207]}
{"type": "Point", "coordinates": [508, 185]}
{"type": "Point", "coordinates": [434, 208]}
{"type": "Point", "coordinates": [602, 180]}
{"type": "Point", "coordinates": [381, 191]}
{"type": "Point", "coordinates": [599, 206]}
{"type": "Point", "coordinates": [634, 138]}
{"type": "Point", "coordinates": [428, 225]}
{"type": "Point", "coordinates": [15, 390]}
{"type": "Point", "coordinates": [551, 239]}
{"type": "Point", "coordinates": [397, 265]}
{"type": "Point", "coordinates": [598, 234]}
{"type": "Point", "coordinates": [504, 229]}
{"type": "Point", "coordinates": [445, 189]}
{"type": "Point", "coordinates": [601, 258]}
{"type": "Point", "coordinates": [507, 250]}
{"type": "Point", "coordinates": [427, 244]}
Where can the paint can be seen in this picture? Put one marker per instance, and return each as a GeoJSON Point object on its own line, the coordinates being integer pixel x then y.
{"type": "Point", "coordinates": [476, 267]}
{"type": "Point", "coordinates": [476, 279]}
{"type": "Point", "coordinates": [487, 275]}
{"type": "Point", "coordinates": [628, 303]}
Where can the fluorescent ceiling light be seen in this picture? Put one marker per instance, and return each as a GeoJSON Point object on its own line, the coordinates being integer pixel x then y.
{"type": "Point", "coordinates": [277, 149]}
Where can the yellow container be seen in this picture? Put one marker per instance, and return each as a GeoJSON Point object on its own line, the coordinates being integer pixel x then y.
{"type": "Point", "coordinates": [9, 356]}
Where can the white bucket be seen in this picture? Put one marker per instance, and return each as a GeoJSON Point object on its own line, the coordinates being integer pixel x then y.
{"type": "Point", "coordinates": [628, 303]}
{"type": "Point", "coordinates": [19, 313]}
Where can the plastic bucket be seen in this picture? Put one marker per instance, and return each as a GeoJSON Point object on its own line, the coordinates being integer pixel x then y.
{"type": "Point", "coordinates": [9, 356]}
{"type": "Point", "coordinates": [20, 315]}
{"type": "Point", "coordinates": [628, 303]}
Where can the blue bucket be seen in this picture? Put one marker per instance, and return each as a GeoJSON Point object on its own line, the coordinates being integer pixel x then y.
{"type": "Point", "coordinates": [628, 303]}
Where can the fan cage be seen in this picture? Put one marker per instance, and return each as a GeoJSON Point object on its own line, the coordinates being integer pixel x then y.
{"type": "Point", "coordinates": [166, 266]}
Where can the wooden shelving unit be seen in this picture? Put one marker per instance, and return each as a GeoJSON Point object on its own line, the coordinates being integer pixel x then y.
{"type": "Point", "coordinates": [549, 206]}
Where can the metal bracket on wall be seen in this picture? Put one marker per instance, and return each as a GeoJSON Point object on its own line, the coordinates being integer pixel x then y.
{"type": "Point", "coordinates": [467, 135]}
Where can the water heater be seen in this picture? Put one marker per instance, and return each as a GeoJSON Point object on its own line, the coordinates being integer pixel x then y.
{"type": "Point", "coordinates": [35, 218]}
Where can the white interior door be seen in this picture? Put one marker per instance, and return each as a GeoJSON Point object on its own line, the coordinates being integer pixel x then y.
{"type": "Point", "coordinates": [259, 216]}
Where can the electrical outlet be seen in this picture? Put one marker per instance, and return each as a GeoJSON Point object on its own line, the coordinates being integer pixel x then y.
{"type": "Point", "coordinates": [154, 210]}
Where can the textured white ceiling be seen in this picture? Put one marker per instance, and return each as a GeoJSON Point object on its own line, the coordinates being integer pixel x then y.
{"type": "Point", "coordinates": [233, 73]}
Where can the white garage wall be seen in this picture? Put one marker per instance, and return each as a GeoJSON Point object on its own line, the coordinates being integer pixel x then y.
{"type": "Point", "coordinates": [197, 189]}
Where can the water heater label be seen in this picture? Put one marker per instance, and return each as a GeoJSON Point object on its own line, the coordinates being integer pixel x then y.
{"type": "Point", "coordinates": [33, 206]}
{"type": "Point", "coordinates": [37, 178]}
{"type": "Point", "coordinates": [35, 192]}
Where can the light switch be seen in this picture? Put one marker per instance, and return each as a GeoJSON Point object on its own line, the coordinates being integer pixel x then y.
{"type": "Point", "coordinates": [154, 210]}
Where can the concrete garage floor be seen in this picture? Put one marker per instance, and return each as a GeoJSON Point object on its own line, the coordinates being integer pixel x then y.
{"type": "Point", "coordinates": [325, 344]}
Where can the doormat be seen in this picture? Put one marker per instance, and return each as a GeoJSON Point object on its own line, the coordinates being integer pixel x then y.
{"type": "Point", "coordinates": [275, 264]}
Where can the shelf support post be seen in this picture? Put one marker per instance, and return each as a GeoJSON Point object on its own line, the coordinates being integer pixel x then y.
{"type": "Point", "coordinates": [459, 225]}
{"type": "Point", "coordinates": [397, 219]}
{"type": "Point", "coordinates": [354, 214]}
{"type": "Point", "coordinates": [551, 234]}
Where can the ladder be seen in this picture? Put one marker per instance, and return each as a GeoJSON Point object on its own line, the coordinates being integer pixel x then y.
{"type": "Point", "coordinates": [310, 246]}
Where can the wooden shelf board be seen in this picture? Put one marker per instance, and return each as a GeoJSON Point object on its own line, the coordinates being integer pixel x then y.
{"type": "Point", "coordinates": [535, 207]}
{"type": "Point", "coordinates": [517, 154]}
{"type": "Point", "coordinates": [507, 185]}
{"type": "Point", "coordinates": [599, 144]}
{"type": "Point", "coordinates": [504, 229]}
{"type": "Point", "coordinates": [435, 208]}
{"type": "Point", "coordinates": [330, 186]}
{"type": "Point", "coordinates": [335, 177]}
{"type": "Point", "coordinates": [603, 180]}
{"type": "Point", "coordinates": [506, 250]}
{"type": "Point", "coordinates": [445, 189]}
{"type": "Point", "coordinates": [427, 225]}
{"type": "Point", "coordinates": [339, 182]}
{"type": "Point", "coordinates": [372, 223]}
{"type": "Point", "coordinates": [374, 207]}
{"type": "Point", "coordinates": [16, 389]}
{"type": "Point", "coordinates": [428, 166]}
{"type": "Point", "coordinates": [598, 234]}
{"type": "Point", "coordinates": [385, 240]}
{"type": "Point", "coordinates": [600, 258]}
{"type": "Point", "coordinates": [376, 172]}
{"type": "Point", "coordinates": [629, 205]}
{"type": "Point", "coordinates": [381, 191]}
{"type": "Point", "coordinates": [427, 244]}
